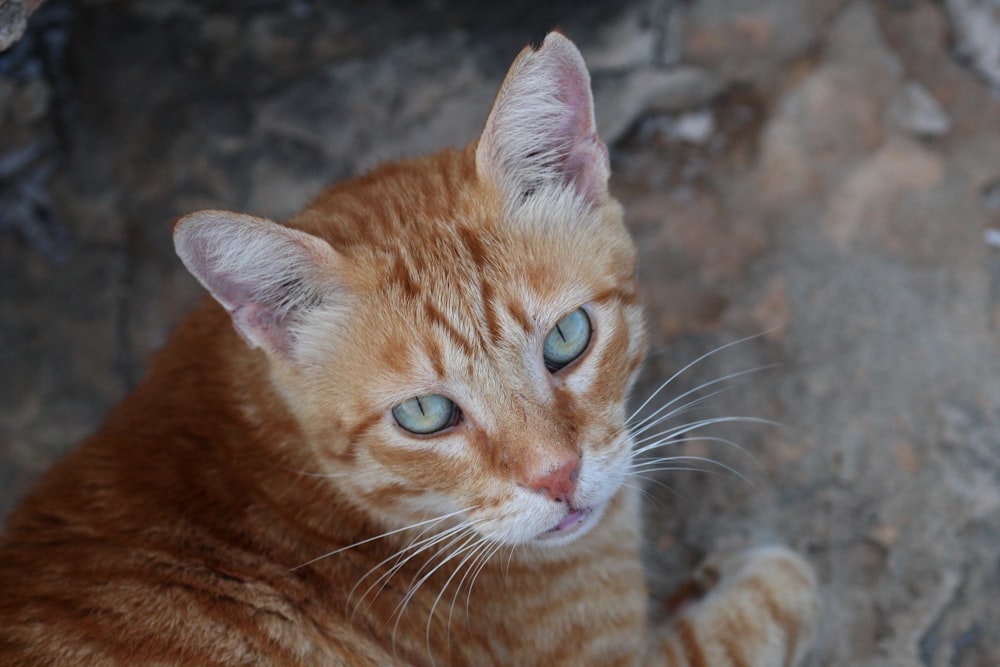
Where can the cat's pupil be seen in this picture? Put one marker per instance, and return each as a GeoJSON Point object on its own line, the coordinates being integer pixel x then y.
{"type": "Point", "coordinates": [568, 340]}
{"type": "Point", "coordinates": [426, 414]}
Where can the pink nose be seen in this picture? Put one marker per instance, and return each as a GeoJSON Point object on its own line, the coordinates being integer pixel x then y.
{"type": "Point", "coordinates": [560, 483]}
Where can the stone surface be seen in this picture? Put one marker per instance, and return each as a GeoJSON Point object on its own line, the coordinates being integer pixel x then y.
{"type": "Point", "coordinates": [977, 33]}
{"type": "Point", "coordinates": [915, 109]}
{"type": "Point", "coordinates": [850, 251]}
{"type": "Point", "coordinates": [13, 21]}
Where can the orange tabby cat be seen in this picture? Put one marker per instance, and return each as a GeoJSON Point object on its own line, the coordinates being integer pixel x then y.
{"type": "Point", "coordinates": [410, 448]}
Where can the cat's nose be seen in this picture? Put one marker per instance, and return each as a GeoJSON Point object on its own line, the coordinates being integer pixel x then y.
{"type": "Point", "coordinates": [560, 483]}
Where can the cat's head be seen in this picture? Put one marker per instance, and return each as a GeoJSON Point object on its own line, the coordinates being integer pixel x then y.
{"type": "Point", "coordinates": [457, 335]}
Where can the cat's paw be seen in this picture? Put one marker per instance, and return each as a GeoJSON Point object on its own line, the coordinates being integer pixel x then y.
{"type": "Point", "coordinates": [756, 607]}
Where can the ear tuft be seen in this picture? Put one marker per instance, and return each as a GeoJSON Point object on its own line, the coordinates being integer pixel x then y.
{"type": "Point", "coordinates": [541, 130]}
{"type": "Point", "coordinates": [264, 274]}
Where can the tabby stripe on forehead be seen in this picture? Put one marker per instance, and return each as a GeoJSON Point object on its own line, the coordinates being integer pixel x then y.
{"type": "Point", "coordinates": [624, 295]}
{"type": "Point", "coordinates": [436, 356]}
{"type": "Point", "coordinates": [480, 257]}
{"type": "Point", "coordinates": [477, 251]}
{"type": "Point", "coordinates": [520, 316]}
{"type": "Point", "coordinates": [404, 277]}
{"type": "Point", "coordinates": [490, 311]}
{"type": "Point", "coordinates": [438, 318]}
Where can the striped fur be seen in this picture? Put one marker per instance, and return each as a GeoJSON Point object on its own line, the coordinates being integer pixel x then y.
{"type": "Point", "coordinates": [253, 501]}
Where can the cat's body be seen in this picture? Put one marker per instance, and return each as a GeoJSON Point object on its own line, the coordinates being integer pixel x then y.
{"type": "Point", "coordinates": [192, 528]}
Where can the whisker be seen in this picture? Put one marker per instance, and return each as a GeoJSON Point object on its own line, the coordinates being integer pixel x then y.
{"type": "Point", "coordinates": [401, 607]}
{"type": "Point", "coordinates": [702, 423]}
{"type": "Point", "coordinates": [677, 440]}
{"type": "Point", "coordinates": [694, 363]}
{"type": "Point", "coordinates": [506, 571]}
{"type": "Point", "coordinates": [418, 546]}
{"type": "Point", "coordinates": [473, 556]}
{"type": "Point", "coordinates": [446, 554]}
{"type": "Point", "coordinates": [328, 475]}
{"type": "Point", "coordinates": [383, 535]}
{"type": "Point", "coordinates": [698, 459]}
{"type": "Point", "coordinates": [660, 483]}
{"type": "Point", "coordinates": [644, 424]}
{"type": "Point", "coordinates": [644, 464]}
{"type": "Point", "coordinates": [646, 494]}
{"type": "Point", "coordinates": [429, 561]}
{"type": "Point", "coordinates": [475, 575]}
{"type": "Point", "coordinates": [483, 543]}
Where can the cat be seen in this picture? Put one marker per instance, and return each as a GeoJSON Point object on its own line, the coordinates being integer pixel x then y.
{"type": "Point", "coordinates": [396, 434]}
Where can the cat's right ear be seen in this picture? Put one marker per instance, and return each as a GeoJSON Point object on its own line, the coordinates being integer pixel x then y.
{"type": "Point", "coordinates": [541, 131]}
{"type": "Point", "coordinates": [265, 275]}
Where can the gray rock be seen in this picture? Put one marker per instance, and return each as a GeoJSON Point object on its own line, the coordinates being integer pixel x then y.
{"type": "Point", "coordinates": [620, 99]}
{"type": "Point", "coordinates": [976, 24]}
{"type": "Point", "coordinates": [915, 110]}
{"type": "Point", "coordinates": [991, 196]}
{"type": "Point", "coordinates": [13, 21]}
{"type": "Point", "coordinates": [693, 127]}
{"type": "Point", "coordinates": [628, 42]}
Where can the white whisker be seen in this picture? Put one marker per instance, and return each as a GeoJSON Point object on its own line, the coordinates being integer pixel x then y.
{"type": "Point", "coordinates": [659, 483]}
{"type": "Point", "coordinates": [401, 607]}
{"type": "Point", "coordinates": [678, 440]}
{"type": "Point", "coordinates": [506, 573]}
{"type": "Point", "coordinates": [327, 475]}
{"type": "Point", "coordinates": [475, 575]}
{"type": "Point", "coordinates": [691, 364]}
{"type": "Point", "coordinates": [701, 423]}
{"type": "Point", "coordinates": [645, 493]}
{"type": "Point", "coordinates": [473, 556]}
{"type": "Point", "coordinates": [417, 547]}
{"type": "Point", "coordinates": [437, 519]}
{"type": "Point", "coordinates": [697, 459]}
{"type": "Point", "coordinates": [656, 417]}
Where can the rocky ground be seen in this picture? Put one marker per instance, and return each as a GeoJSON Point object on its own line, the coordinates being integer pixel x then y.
{"type": "Point", "coordinates": [822, 175]}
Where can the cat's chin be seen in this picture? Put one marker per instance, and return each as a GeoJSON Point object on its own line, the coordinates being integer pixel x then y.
{"type": "Point", "coordinates": [576, 522]}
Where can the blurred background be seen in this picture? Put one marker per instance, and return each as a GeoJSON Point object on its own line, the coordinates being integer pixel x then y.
{"type": "Point", "coordinates": [820, 175]}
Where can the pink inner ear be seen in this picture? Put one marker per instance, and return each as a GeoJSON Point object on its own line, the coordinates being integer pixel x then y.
{"type": "Point", "coordinates": [586, 167]}
{"type": "Point", "coordinates": [265, 275]}
{"type": "Point", "coordinates": [260, 326]}
{"type": "Point", "coordinates": [573, 91]}
{"type": "Point", "coordinates": [586, 162]}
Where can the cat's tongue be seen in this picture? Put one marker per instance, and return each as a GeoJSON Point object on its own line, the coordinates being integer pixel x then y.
{"type": "Point", "coordinates": [570, 520]}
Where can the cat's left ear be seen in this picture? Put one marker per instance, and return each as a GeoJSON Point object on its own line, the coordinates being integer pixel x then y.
{"type": "Point", "coordinates": [541, 130]}
{"type": "Point", "coordinates": [267, 276]}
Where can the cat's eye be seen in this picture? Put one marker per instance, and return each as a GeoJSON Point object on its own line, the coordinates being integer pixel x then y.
{"type": "Point", "coordinates": [567, 340]}
{"type": "Point", "coordinates": [426, 414]}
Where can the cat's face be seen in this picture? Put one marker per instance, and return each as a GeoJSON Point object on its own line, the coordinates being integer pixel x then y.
{"type": "Point", "coordinates": [463, 340]}
{"type": "Point", "coordinates": [448, 373]}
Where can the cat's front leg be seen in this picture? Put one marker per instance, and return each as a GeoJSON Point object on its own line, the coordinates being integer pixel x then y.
{"type": "Point", "coordinates": [757, 608]}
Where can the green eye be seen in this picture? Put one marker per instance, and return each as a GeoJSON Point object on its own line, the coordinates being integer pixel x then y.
{"type": "Point", "coordinates": [426, 414]}
{"type": "Point", "coordinates": [567, 340]}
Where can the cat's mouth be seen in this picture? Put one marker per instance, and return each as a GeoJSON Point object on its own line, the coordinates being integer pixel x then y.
{"type": "Point", "coordinates": [576, 522]}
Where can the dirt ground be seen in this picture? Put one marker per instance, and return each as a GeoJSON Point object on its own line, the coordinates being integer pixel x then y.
{"type": "Point", "coordinates": [820, 176]}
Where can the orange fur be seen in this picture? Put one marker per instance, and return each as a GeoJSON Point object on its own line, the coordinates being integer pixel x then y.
{"type": "Point", "coordinates": [191, 528]}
